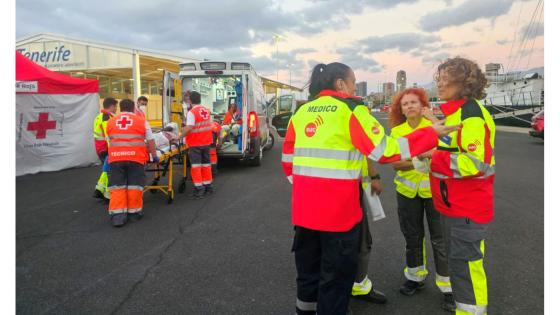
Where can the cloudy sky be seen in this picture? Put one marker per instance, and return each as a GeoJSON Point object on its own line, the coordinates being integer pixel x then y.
{"type": "Point", "coordinates": [375, 37]}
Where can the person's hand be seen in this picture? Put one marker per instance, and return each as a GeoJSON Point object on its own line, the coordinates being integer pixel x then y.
{"type": "Point", "coordinates": [442, 130]}
{"type": "Point", "coordinates": [376, 187]}
{"type": "Point", "coordinates": [429, 114]}
{"type": "Point", "coordinates": [426, 155]}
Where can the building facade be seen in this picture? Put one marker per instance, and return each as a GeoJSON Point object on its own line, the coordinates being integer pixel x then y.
{"type": "Point", "coordinates": [401, 80]}
{"type": "Point", "coordinates": [361, 89]}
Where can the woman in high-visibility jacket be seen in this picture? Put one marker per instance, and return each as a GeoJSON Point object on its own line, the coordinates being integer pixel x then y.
{"type": "Point", "coordinates": [324, 147]}
{"type": "Point", "coordinates": [462, 180]}
{"type": "Point", "coordinates": [414, 199]}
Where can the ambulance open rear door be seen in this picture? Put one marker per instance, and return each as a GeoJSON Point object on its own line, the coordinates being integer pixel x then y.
{"type": "Point", "coordinates": [172, 107]}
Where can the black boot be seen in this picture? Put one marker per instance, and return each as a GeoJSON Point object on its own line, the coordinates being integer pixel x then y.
{"type": "Point", "coordinates": [198, 193]}
{"type": "Point", "coordinates": [208, 189]}
{"type": "Point", "coordinates": [136, 216]}
{"type": "Point", "coordinates": [97, 194]}
{"type": "Point", "coordinates": [373, 296]}
{"type": "Point", "coordinates": [448, 302]}
{"type": "Point", "coordinates": [118, 219]}
{"type": "Point", "coordinates": [410, 287]}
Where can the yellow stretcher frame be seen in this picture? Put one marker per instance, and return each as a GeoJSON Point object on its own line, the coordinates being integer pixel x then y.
{"type": "Point", "coordinates": [172, 105]}
{"type": "Point", "coordinates": [165, 167]}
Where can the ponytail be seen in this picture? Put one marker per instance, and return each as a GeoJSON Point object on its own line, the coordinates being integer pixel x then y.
{"type": "Point", "coordinates": [323, 77]}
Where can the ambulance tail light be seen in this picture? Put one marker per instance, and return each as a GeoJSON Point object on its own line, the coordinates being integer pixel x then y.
{"type": "Point", "coordinates": [253, 124]}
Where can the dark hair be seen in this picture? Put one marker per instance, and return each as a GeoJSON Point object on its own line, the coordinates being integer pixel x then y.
{"type": "Point", "coordinates": [195, 98]}
{"type": "Point", "coordinates": [396, 116]}
{"type": "Point", "coordinates": [142, 98]}
{"type": "Point", "coordinates": [467, 75]}
{"type": "Point", "coordinates": [324, 77]}
{"type": "Point", "coordinates": [126, 105]}
{"type": "Point", "coordinates": [108, 102]}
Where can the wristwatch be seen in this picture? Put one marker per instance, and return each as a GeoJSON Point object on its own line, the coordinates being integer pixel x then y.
{"type": "Point", "coordinates": [376, 176]}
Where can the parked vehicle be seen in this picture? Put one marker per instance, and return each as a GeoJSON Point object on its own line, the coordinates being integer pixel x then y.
{"type": "Point", "coordinates": [224, 83]}
{"type": "Point", "coordinates": [537, 125]}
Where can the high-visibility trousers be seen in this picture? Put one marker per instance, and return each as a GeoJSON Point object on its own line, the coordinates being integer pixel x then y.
{"type": "Point", "coordinates": [326, 266]}
{"type": "Point", "coordinates": [411, 218]}
{"type": "Point", "coordinates": [464, 242]}
{"type": "Point", "coordinates": [126, 184]}
{"type": "Point", "coordinates": [103, 181]}
{"type": "Point", "coordinates": [213, 156]}
{"type": "Point", "coordinates": [201, 169]}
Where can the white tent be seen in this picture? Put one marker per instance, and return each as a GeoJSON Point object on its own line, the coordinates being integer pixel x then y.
{"type": "Point", "coordinates": [54, 119]}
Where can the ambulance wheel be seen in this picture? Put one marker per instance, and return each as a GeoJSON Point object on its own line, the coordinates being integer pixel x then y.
{"type": "Point", "coordinates": [269, 142]}
{"type": "Point", "coordinates": [182, 187]}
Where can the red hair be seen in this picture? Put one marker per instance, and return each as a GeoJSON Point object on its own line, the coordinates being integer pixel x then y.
{"type": "Point", "coordinates": [396, 117]}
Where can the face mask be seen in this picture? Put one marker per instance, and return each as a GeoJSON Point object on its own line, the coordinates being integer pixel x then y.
{"type": "Point", "coordinates": [143, 109]}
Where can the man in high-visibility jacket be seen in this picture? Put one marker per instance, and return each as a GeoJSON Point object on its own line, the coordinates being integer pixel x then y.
{"type": "Point", "coordinates": [128, 134]}
{"type": "Point", "coordinates": [101, 148]}
{"type": "Point", "coordinates": [462, 180]}
{"type": "Point", "coordinates": [198, 138]}
{"type": "Point", "coordinates": [322, 156]}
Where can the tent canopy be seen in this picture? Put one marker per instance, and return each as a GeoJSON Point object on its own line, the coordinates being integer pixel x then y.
{"type": "Point", "coordinates": [36, 79]}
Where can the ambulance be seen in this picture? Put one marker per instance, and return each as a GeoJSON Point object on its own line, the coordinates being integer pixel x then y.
{"type": "Point", "coordinates": [221, 84]}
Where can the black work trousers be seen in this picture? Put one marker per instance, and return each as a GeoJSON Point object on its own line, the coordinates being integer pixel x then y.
{"type": "Point", "coordinates": [411, 217]}
{"type": "Point", "coordinates": [326, 264]}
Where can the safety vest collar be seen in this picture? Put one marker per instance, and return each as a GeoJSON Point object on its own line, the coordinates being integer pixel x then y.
{"type": "Point", "coordinates": [106, 112]}
{"type": "Point", "coordinates": [451, 106]}
{"type": "Point", "coordinates": [338, 94]}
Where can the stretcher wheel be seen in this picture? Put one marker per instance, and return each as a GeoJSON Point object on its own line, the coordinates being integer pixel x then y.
{"type": "Point", "coordinates": [169, 199]}
{"type": "Point", "coordinates": [182, 187]}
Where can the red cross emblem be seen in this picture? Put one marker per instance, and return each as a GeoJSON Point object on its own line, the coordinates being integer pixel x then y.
{"type": "Point", "coordinates": [41, 125]}
{"type": "Point", "coordinates": [204, 113]}
{"type": "Point", "coordinates": [124, 122]}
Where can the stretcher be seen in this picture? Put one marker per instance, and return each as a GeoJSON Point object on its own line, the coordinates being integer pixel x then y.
{"type": "Point", "coordinates": [175, 154]}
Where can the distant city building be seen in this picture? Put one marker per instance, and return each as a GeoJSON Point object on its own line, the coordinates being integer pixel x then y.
{"type": "Point", "coordinates": [388, 88]}
{"type": "Point", "coordinates": [362, 89]}
{"type": "Point", "coordinates": [415, 85]}
{"type": "Point", "coordinates": [401, 80]}
{"type": "Point", "coordinates": [388, 91]}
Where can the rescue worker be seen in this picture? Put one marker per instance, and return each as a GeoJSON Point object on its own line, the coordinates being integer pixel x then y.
{"type": "Point", "coordinates": [462, 180]}
{"type": "Point", "coordinates": [128, 134]}
{"type": "Point", "coordinates": [322, 157]}
{"type": "Point", "coordinates": [414, 200]}
{"type": "Point", "coordinates": [216, 143]}
{"type": "Point", "coordinates": [232, 123]}
{"type": "Point", "coordinates": [363, 286]}
{"type": "Point", "coordinates": [141, 106]}
{"type": "Point", "coordinates": [101, 148]}
{"type": "Point", "coordinates": [198, 138]}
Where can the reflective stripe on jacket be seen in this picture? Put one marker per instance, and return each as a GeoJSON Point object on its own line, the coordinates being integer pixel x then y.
{"type": "Point", "coordinates": [323, 154]}
{"type": "Point", "coordinates": [462, 169]}
{"type": "Point", "coordinates": [411, 183]}
{"type": "Point", "coordinates": [201, 134]}
{"type": "Point", "coordinates": [127, 133]}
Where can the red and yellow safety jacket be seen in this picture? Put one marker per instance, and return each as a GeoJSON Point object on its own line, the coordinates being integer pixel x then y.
{"type": "Point", "coordinates": [323, 155]}
{"type": "Point", "coordinates": [127, 134]}
{"type": "Point", "coordinates": [462, 169]}
{"type": "Point", "coordinates": [201, 134]}
{"type": "Point", "coordinates": [100, 130]}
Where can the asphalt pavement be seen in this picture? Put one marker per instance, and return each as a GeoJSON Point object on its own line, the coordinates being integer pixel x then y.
{"type": "Point", "coordinates": [230, 253]}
